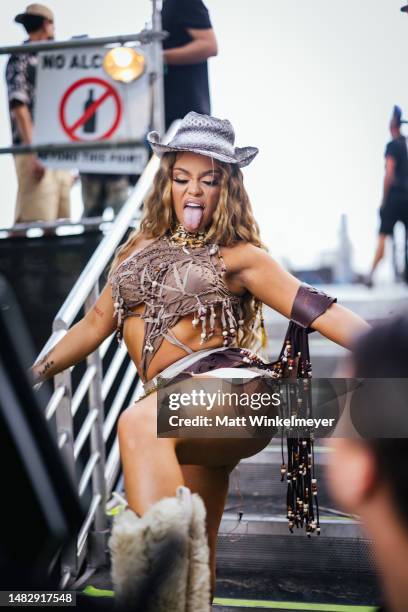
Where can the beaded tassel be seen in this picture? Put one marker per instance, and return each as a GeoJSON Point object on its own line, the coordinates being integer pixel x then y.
{"type": "Point", "coordinates": [212, 320]}
{"type": "Point", "coordinates": [224, 325]}
{"type": "Point", "coordinates": [302, 502]}
{"type": "Point", "coordinates": [264, 339]}
{"type": "Point", "coordinates": [203, 318]}
{"type": "Point", "coordinates": [240, 316]}
{"type": "Point", "coordinates": [119, 311]}
{"type": "Point", "coordinates": [232, 322]}
{"type": "Point", "coordinates": [195, 320]}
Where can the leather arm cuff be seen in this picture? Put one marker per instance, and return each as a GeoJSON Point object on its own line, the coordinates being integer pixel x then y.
{"type": "Point", "coordinates": [309, 303]}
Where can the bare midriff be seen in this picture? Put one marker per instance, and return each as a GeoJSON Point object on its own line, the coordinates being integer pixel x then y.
{"type": "Point", "coordinates": [168, 353]}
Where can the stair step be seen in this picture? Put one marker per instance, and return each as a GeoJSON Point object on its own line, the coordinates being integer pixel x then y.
{"type": "Point", "coordinates": [265, 542]}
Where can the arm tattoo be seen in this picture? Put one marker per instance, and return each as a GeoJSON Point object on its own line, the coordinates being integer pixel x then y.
{"type": "Point", "coordinates": [98, 311]}
{"type": "Point", "coordinates": [41, 369]}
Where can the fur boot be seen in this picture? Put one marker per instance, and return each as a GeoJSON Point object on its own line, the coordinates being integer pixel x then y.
{"type": "Point", "coordinates": [198, 584]}
{"type": "Point", "coordinates": [150, 555]}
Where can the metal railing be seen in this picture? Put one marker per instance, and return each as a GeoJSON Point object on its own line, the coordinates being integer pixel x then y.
{"type": "Point", "coordinates": [101, 469]}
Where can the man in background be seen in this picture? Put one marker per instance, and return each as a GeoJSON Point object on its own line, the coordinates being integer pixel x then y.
{"type": "Point", "coordinates": [394, 206]}
{"type": "Point", "coordinates": [43, 194]}
{"type": "Point", "coordinates": [190, 43]}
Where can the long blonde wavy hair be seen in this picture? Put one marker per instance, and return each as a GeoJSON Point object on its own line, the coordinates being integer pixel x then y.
{"type": "Point", "coordinates": [233, 221]}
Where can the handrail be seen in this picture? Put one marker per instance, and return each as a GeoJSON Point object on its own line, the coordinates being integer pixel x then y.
{"type": "Point", "coordinates": [72, 146]}
{"type": "Point", "coordinates": [144, 36]}
{"type": "Point", "coordinates": [100, 471]}
{"type": "Point", "coordinates": [87, 224]}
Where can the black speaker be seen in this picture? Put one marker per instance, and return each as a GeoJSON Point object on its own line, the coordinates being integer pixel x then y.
{"type": "Point", "coordinates": [40, 509]}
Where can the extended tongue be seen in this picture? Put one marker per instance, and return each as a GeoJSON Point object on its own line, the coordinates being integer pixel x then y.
{"type": "Point", "coordinates": [192, 217]}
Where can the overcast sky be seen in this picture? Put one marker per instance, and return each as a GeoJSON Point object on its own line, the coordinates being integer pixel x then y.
{"type": "Point", "coordinates": [310, 83]}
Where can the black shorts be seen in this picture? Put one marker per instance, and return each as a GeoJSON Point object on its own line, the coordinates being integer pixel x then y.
{"type": "Point", "coordinates": [395, 209]}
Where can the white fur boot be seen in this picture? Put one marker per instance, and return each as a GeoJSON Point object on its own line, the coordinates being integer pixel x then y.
{"type": "Point", "coordinates": [152, 547]}
{"type": "Point", "coordinates": [198, 585]}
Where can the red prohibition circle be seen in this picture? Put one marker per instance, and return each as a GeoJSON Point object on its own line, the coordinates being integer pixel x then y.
{"type": "Point", "coordinates": [109, 91]}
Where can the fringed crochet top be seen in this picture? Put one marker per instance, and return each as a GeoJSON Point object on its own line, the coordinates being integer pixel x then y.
{"type": "Point", "coordinates": [173, 281]}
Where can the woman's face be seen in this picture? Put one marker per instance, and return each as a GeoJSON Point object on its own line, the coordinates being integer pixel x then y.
{"type": "Point", "coordinates": [196, 185]}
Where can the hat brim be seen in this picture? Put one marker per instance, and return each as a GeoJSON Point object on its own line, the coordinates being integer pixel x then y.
{"type": "Point", "coordinates": [404, 9]}
{"type": "Point", "coordinates": [20, 18]}
{"type": "Point", "coordinates": [243, 155]}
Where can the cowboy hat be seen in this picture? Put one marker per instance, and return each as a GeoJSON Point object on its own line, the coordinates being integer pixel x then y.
{"type": "Point", "coordinates": [205, 135]}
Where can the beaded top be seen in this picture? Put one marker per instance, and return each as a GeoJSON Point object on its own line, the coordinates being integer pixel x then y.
{"type": "Point", "coordinates": [173, 281]}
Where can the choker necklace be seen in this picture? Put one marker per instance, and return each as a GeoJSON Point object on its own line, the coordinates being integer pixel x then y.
{"type": "Point", "coordinates": [183, 237]}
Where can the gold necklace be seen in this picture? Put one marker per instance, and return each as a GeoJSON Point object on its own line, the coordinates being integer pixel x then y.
{"type": "Point", "coordinates": [183, 237]}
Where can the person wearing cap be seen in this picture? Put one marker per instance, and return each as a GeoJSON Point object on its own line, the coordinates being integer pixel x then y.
{"type": "Point", "coordinates": [394, 206]}
{"type": "Point", "coordinates": [43, 194]}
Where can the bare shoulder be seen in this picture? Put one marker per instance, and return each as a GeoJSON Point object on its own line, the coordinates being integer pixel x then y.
{"type": "Point", "coordinates": [241, 255]}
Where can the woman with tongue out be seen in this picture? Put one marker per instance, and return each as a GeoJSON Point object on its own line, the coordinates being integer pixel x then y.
{"type": "Point", "coordinates": [187, 290]}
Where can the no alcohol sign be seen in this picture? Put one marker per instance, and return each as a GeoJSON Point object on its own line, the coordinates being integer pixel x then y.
{"type": "Point", "coordinates": [76, 101]}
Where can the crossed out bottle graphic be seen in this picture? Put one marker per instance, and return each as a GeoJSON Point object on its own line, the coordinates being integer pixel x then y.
{"type": "Point", "coordinates": [89, 126]}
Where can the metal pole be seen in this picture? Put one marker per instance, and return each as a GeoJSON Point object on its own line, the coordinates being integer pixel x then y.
{"type": "Point", "coordinates": [144, 37]}
{"type": "Point", "coordinates": [65, 438]}
{"type": "Point", "coordinates": [158, 86]}
{"type": "Point", "coordinates": [97, 556]}
{"type": "Point", "coordinates": [71, 146]}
